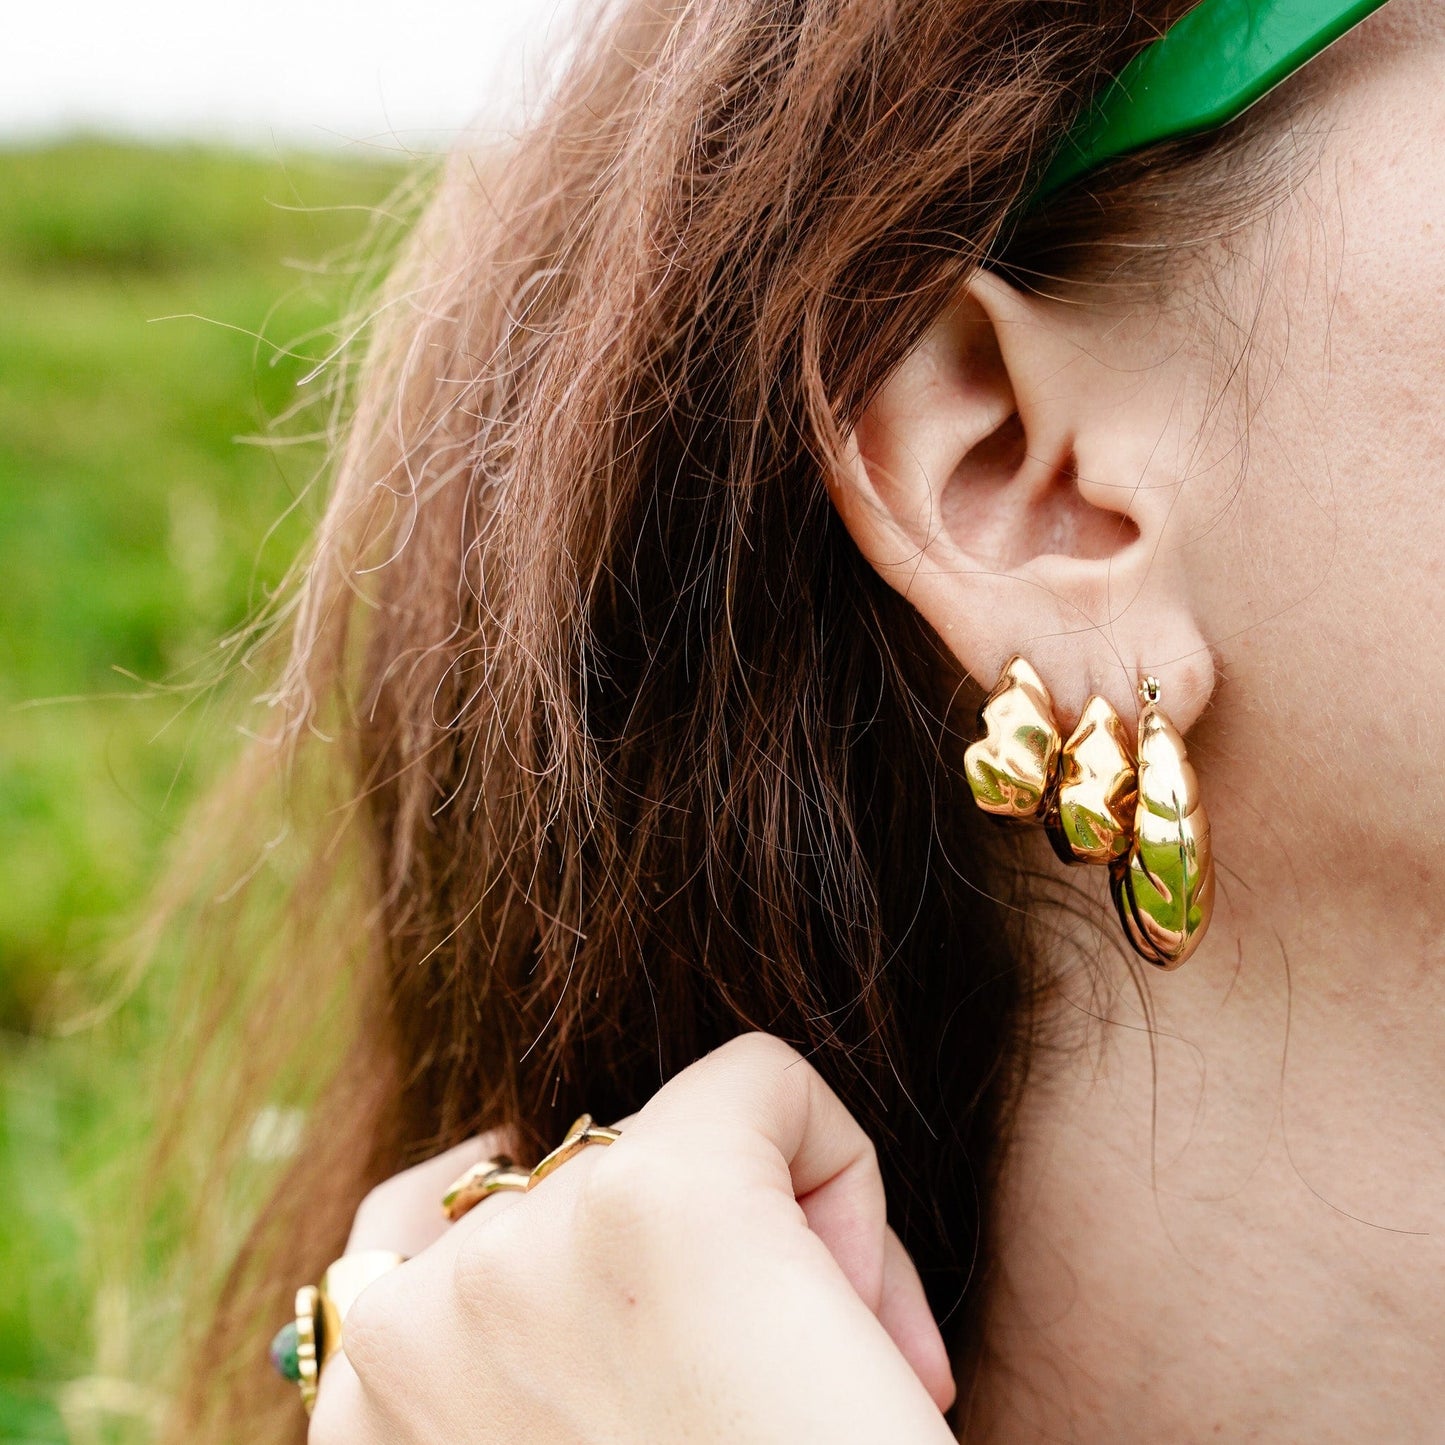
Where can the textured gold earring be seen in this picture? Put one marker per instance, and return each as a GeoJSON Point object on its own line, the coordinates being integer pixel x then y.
{"type": "Point", "coordinates": [1011, 768]}
{"type": "Point", "coordinates": [1094, 818]}
{"type": "Point", "coordinates": [1103, 799]}
{"type": "Point", "coordinates": [1164, 886]}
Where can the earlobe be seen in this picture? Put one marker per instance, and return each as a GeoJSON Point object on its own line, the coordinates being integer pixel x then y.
{"type": "Point", "coordinates": [1001, 481]}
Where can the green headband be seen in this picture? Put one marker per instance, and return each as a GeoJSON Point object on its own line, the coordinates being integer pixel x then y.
{"type": "Point", "coordinates": [1203, 71]}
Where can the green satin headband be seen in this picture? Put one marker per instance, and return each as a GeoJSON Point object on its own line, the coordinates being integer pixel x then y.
{"type": "Point", "coordinates": [1202, 72]}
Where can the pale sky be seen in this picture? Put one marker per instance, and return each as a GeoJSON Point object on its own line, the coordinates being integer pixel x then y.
{"type": "Point", "coordinates": [315, 72]}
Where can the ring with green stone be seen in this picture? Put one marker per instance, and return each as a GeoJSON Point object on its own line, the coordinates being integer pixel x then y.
{"type": "Point", "coordinates": [302, 1346]}
{"type": "Point", "coordinates": [296, 1349]}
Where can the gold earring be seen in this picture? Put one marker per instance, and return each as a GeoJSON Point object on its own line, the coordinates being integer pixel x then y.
{"type": "Point", "coordinates": [1011, 768]}
{"type": "Point", "coordinates": [1136, 809]}
{"type": "Point", "coordinates": [1163, 886]}
{"type": "Point", "coordinates": [1093, 821]}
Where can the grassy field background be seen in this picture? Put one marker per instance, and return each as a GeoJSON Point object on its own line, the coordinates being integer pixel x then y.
{"type": "Point", "coordinates": [158, 308]}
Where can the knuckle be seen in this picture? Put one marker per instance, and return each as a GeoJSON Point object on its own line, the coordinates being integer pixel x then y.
{"type": "Point", "coordinates": [770, 1061]}
{"type": "Point", "coordinates": [372, 1334]}
{"type": "Point", "coordinates": [484, 1270]}
{"type": "Point", "coordinates": [628, 1196]}
{"type": "Point", "coordinates": [758, 1049]}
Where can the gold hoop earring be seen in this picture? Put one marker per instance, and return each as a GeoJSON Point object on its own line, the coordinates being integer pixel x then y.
{"type": "Point", "coordinates": [1094, 818]}
{"type": "Point", "coordinates": [1164, 886]}
{"type": "Point", "coordinates": [1134, 808]}
{"type": "Point", "coordinates": [1011, 769]}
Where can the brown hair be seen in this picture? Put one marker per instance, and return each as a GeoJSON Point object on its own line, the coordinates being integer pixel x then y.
{"type": "Point", "coordinates": [634, 751]}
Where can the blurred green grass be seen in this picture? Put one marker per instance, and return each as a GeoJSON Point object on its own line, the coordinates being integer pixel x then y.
{"type": "Point", "coordinates": [139, 524]}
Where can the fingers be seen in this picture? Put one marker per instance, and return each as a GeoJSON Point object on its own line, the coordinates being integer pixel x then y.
{"type": "Point", "coordinates": [760, 1087]}
{"type": "Point", "coordinates": [757, 1089]}
{"type": "Point", "coordinates": [404, 1213]}
{"type": "Point", "coordinates": [759, 1083]}
{"type": "Point", "coordinates": [722, 1165]}
{"type": "Point", "coordinates": [905, 1314]}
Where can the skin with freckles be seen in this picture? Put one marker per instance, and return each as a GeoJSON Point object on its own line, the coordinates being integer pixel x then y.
{"type": "Point", "coordinates": [1223, 1216]}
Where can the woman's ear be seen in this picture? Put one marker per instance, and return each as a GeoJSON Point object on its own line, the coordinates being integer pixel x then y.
{"type": "Point", "coordinates": [1009, 481]}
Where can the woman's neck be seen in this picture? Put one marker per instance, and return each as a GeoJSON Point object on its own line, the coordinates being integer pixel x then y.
{"type": "Point", "coordinates": [1222, 1215]}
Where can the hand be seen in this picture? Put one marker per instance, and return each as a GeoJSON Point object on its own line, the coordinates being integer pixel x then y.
{"type": "Point", "coordinates": [724, 1272]}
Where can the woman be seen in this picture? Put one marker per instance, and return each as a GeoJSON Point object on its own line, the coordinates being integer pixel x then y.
{"type": "Point", "coordinates": [720, 445]}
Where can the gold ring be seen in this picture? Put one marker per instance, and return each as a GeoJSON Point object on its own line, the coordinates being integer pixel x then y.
{"type": "Point", "coordinates": [302, 1348]}
{"type": "Point", "coordinates": [488, 1177]}
{"type": "Point", "coordinates": [582, 1133]}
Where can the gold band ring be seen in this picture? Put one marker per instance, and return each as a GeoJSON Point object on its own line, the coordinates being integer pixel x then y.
{"type": "Point", "coordinates": [301, 1350]}
{"type": "Point", "coordinates": [488, 1177]}
{"type": "Point", "coordinates": [582, 1133]}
